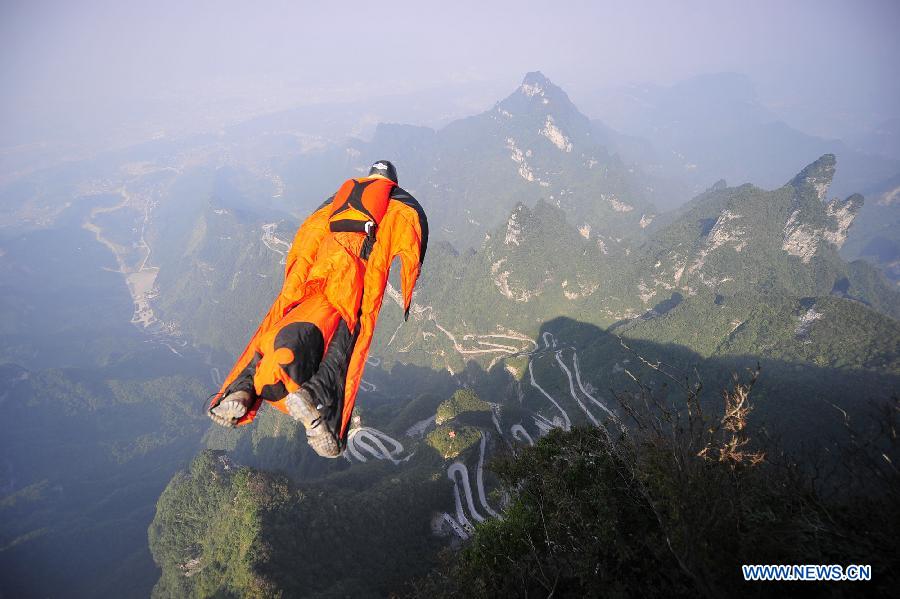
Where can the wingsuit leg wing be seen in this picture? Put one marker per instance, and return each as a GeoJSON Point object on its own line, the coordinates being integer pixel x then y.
{"type": "Point", "coordinates": [327, 385]}
{"type": "Point", "coordinates": [293, 348]}
{"type": "Point", "coordinates": [298, 264]}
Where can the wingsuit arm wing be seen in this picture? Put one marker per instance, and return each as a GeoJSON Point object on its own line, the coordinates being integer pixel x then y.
{"type": "Point", "coordinates": [298, 262]}
{"type": "Point", "coordinates": [402, 232]}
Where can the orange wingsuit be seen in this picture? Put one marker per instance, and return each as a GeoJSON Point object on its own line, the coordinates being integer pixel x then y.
{"type": "Point", "coordinates": [318, 331]}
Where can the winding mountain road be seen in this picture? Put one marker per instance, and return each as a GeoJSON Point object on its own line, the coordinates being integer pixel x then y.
{"type": "Point", "coordinates": [566, 423]}
{"type": "Point", "coordinates": [455, 526]}
{"type": "Point", "coordinates": [572, 388]}
{"type": "Point", "coordinates": [520, 434]}
{"type": "Point", "coordinates": [458, 468]}
{"type": "Point", "coordinates": [458, 472]}
{"type": "Point", "coordinates": [599, 403]}
{"type": "Point", "coordinates": [373, 442]}
{"type": "Point", "coordinates": [544, 425]}
{"type": "Point", "coordinates": [419, 428]}
{"type": "Point", "coordinates": [367, 443]}
{"type": "Point", "coordinates": [479, 480]}
{"type": "Point", "coordinates": [274, 243]}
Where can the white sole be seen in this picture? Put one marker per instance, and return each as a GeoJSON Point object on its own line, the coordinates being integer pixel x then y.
{"type": "Point", "coordinates": [230, 408]}
{"type": "Point", "coordinates": [299, 408]}
{"type": "Point", "coordinates": [229, 411]}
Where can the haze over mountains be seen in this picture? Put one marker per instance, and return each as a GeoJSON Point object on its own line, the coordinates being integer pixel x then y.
{"type": "Point", "coordinates": [552, 236]}
{"type": "Point", "coordinates": [716, 126]}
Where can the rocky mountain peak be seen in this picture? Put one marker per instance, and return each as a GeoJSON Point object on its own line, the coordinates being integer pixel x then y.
{"type": "Point", "coordinates": [812, 220]}
{"type": "Point", "coordinates": [816, 177]}
{"type": "Point", "coordinates": [538, 95]}
{"type": "Point", "coordinates": [536, 83]}
{"type": "Point", "coordinates": [538, 106]}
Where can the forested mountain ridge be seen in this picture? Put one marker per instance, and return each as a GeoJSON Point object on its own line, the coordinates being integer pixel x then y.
{"type": "Point", "coordinates": [719, 259]}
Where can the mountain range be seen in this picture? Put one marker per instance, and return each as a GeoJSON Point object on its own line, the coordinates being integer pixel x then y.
{"type": "Point", "coordinates": [546, 319]}
{"type": "Point", "coordinates": [557, 275]}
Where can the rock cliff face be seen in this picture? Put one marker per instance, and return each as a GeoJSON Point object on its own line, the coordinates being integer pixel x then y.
{"type": "Point", "coordinates": [813, 220]}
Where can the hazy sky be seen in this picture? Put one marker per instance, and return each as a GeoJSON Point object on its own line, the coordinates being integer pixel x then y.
{"type": "Point", "coordinates": [840, 55]}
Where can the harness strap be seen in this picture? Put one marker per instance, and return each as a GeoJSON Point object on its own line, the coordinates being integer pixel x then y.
{"type": "Point", "coordinates": [357, 226]}
{"type": "Point", "coordinates": [353, 226]}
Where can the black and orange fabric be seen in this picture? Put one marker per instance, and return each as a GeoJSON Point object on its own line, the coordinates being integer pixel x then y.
{"type": "Point", "coordinates": [319, 329]}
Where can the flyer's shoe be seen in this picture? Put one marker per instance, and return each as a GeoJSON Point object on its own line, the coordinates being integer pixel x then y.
{"type": "Point", "coordinates": [227, 412]}
{"type": "Point", "coordinates": [301, 406]}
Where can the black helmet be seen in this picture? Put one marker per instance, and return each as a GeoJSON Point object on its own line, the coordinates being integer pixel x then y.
{"type": "Point", "coordinates": [385, 169]}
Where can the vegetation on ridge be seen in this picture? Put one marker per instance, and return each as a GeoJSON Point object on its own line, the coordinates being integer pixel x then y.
{"type": "Point", "coordinates": [676, 505]}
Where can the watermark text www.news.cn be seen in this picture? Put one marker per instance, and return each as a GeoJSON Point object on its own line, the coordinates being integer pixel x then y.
{"type": "Point", "coordinates": [804, 572]}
